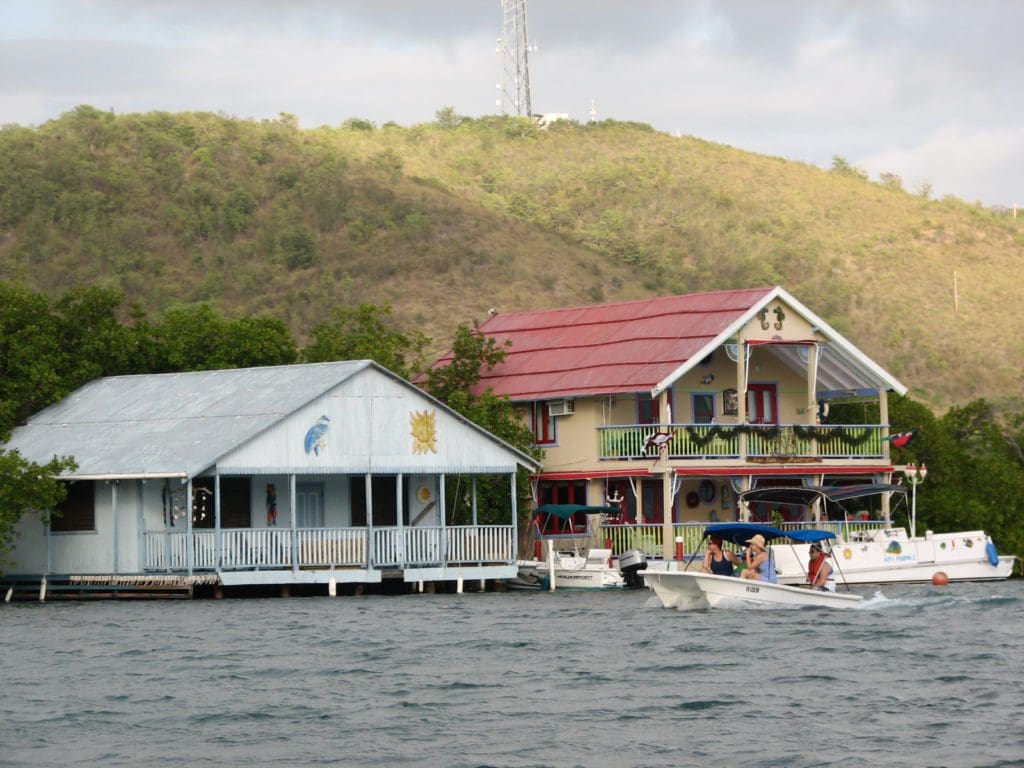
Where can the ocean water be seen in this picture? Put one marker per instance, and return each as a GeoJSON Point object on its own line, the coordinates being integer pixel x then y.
{"type": "Point", "coordinates": [918, 676]}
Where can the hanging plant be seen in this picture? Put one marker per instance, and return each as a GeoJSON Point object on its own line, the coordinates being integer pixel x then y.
{"type": "Point", "coordinates": [702, 435]}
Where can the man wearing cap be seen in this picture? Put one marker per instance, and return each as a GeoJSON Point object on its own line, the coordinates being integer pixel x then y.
{"type": "Point", "coordinates": [760, 565]}
{"type": "Point", "coordinates": [819, 570]}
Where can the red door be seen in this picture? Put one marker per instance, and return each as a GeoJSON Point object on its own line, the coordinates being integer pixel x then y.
{"type": "Point", "coordinates": [761, 404]}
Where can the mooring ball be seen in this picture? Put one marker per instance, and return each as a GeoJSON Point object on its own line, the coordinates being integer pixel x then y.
{"type": "Point", "coordinates": [940, 579]}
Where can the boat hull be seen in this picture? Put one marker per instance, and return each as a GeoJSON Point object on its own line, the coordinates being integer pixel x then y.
{"type": "Point", "coordinates": [572, 572]}
{"type": "Point", "coordinates": [890, 557]}
{"type": "Point", "coordinates": [685, 590]}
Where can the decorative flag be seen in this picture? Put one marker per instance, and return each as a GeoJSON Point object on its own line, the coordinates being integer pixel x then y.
{"type": "Point", "coordinates": [901, 439]}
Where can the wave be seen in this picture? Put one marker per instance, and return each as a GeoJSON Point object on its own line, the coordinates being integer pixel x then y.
{"type": "Point", "coordinates": [934, 597]}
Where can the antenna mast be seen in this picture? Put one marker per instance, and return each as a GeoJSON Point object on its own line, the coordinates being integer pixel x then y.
{"type": "Point", "coordinates": [515, 66]}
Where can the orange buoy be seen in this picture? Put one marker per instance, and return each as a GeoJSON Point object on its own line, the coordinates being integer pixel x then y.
{"type": "Point", "coordinates": [940, 579]}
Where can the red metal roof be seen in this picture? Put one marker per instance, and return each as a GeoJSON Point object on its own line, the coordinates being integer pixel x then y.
{"type": "Point", "coordinates": [608, 348]}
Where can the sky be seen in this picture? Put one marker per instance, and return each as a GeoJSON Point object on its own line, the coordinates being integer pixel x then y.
{"type": "Point", "coordinates": [929, 90]}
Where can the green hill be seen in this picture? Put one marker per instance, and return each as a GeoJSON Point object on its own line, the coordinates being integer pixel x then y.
{"type": "Point", "coordinates": [447, 220]}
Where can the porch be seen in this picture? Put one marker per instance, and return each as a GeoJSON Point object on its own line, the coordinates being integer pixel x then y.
{"type": "Point", "coordinates": [413, 550]}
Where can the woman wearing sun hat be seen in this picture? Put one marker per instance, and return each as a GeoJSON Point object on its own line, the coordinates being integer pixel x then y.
{"type": "Point", "coordinates": [760, 565]}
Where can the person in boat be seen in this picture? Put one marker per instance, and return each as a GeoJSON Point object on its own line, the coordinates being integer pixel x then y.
{"type": "Point", "coordinates": [717, 560]}
{"type": "Point", "coordinates": [760, 564]}
{"type": "Point", "coordinates": [820, 574]}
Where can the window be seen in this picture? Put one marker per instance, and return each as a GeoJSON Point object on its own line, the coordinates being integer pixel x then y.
{"type": "Point", "coordinates": [78, 510]}
{"type": "Point", "coordinates": [761, 404]}
{"type": "Point", "coordinates": [562, 492]}
{"type": "Point", "coordinates": [235, 503]}
{"type": "Point", "coordinates": [385, 500]}
{"type": "Point", "coordinates": [648, 410]}
{"type": "Point", "coordinates": [542, 424]}
{"type": "Point", "coordinates": [703, 408]}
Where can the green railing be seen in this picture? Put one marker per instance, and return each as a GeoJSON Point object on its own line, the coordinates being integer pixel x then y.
{"type": "Point", "coordinates": [722, 441]}
{"type": "Point", "coordinates": [647, 537]}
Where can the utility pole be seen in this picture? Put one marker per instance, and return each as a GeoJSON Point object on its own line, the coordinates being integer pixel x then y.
{"type": "Point", "coordinates": [514, 89]}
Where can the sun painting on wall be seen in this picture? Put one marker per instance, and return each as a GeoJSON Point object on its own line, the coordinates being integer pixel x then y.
{"type": "Point", "coordinates": [424, 431]}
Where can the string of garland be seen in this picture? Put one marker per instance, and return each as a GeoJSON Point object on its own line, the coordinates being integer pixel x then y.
{"type": "Point", "coordinates": [702, 435]}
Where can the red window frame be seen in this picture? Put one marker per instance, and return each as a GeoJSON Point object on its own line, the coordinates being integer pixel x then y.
{"type": "Point", "coordinates": [755, 403]}
{"type": "Point", "coordinates": [542, 424]}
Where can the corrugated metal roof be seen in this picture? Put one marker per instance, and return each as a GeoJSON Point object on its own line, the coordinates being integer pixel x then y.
{"type": "Point", "coordinates": [171, 424]}
{"type": "Point", "coordinates": [608, 348]}
{"type": "Point", "coordinates": [646, 345]}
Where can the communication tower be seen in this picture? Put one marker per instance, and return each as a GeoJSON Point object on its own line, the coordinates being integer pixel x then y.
{"type": "Point", "coordinates": [514, 89]}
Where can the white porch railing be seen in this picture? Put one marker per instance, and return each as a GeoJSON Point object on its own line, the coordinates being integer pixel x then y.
{"type": "Point", "coordinates": [259, 548]}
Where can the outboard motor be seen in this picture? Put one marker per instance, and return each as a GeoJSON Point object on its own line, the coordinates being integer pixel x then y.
{"type": "Point", "coordinates": [630, 565]}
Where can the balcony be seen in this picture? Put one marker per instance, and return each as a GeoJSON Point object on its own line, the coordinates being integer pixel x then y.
{"type": "Point", "coordinates": [723, 441]}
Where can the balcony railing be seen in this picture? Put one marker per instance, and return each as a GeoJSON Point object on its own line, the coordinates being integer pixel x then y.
{"type": "Point", "coordinates": [269, 548]}
{"type": "Point", "coordinates": [722, 441]}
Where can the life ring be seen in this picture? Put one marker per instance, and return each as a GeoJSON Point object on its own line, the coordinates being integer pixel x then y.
{"type": "Point", "coordinates": [993, 554]}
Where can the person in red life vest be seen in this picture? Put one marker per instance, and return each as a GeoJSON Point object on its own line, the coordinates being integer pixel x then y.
{"type": "Point", "coordinates": [820, 574]}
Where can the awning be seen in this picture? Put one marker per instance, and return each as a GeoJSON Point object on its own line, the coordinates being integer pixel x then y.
{"type": "Point", "coordinates": [741, 533]}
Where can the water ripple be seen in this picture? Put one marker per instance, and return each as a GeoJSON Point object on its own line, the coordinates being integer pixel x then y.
{"type": "Point", "coordinates": [918, 676]}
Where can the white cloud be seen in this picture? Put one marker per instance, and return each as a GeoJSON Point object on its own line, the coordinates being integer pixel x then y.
{"type": "Point", "coordinates": [971, 164]}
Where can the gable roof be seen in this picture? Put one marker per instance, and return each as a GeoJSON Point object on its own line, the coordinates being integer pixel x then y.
{"type": "Point", "coordinates": [646, 345]}
{"type": "Point", "coordinates": [180, 424]}
{"type": "Point", "coordinates": [171, 424]}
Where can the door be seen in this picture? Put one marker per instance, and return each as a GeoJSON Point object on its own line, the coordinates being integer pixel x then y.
{"type": "Point", "coordinates": [309, 505]}
{"type": "Point", "coordinates": [654, 502]}
{"type": "Point", "coordinates": [761, 404]}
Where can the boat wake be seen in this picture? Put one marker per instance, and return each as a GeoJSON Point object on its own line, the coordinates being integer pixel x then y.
{"type": "Point", "coordinates": [879, 601]}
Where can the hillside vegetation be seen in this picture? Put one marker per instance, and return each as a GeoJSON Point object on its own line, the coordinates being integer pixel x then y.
{"type": "Point", "coordinates": [444, 221]}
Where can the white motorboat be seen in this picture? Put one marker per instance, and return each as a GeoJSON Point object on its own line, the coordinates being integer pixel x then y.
{"type": "Point", "coordinates": [690, 590]}
{"type": "Point", "coordinates": [584, 567]}
{"type": "Point", "coordinates": [886, 555]}
{"type": "Point", "coordinates": [571, 570]}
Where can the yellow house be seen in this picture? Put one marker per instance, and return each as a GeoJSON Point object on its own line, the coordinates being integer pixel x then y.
{"type": "Point", "coordinates": [668, 407]}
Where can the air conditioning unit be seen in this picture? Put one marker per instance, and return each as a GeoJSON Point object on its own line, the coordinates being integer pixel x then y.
{"type": "Point", "coordinates": [560, 407]}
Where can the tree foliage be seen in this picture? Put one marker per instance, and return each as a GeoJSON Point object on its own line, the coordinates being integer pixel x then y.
{"type": "Point", "coordinates": [367, 332]}
{"type": "Point", "coordinates": [456, 384]}
{"type": "Point", "coordinates": [261, 217]}
{"type": "Point", "coordinates": [975, 467]}
{"type": "Point", "coordinates": [27, 487]}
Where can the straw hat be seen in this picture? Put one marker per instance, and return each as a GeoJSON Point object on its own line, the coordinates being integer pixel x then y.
{"type": "Point", "coordinates": [757, 540]}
